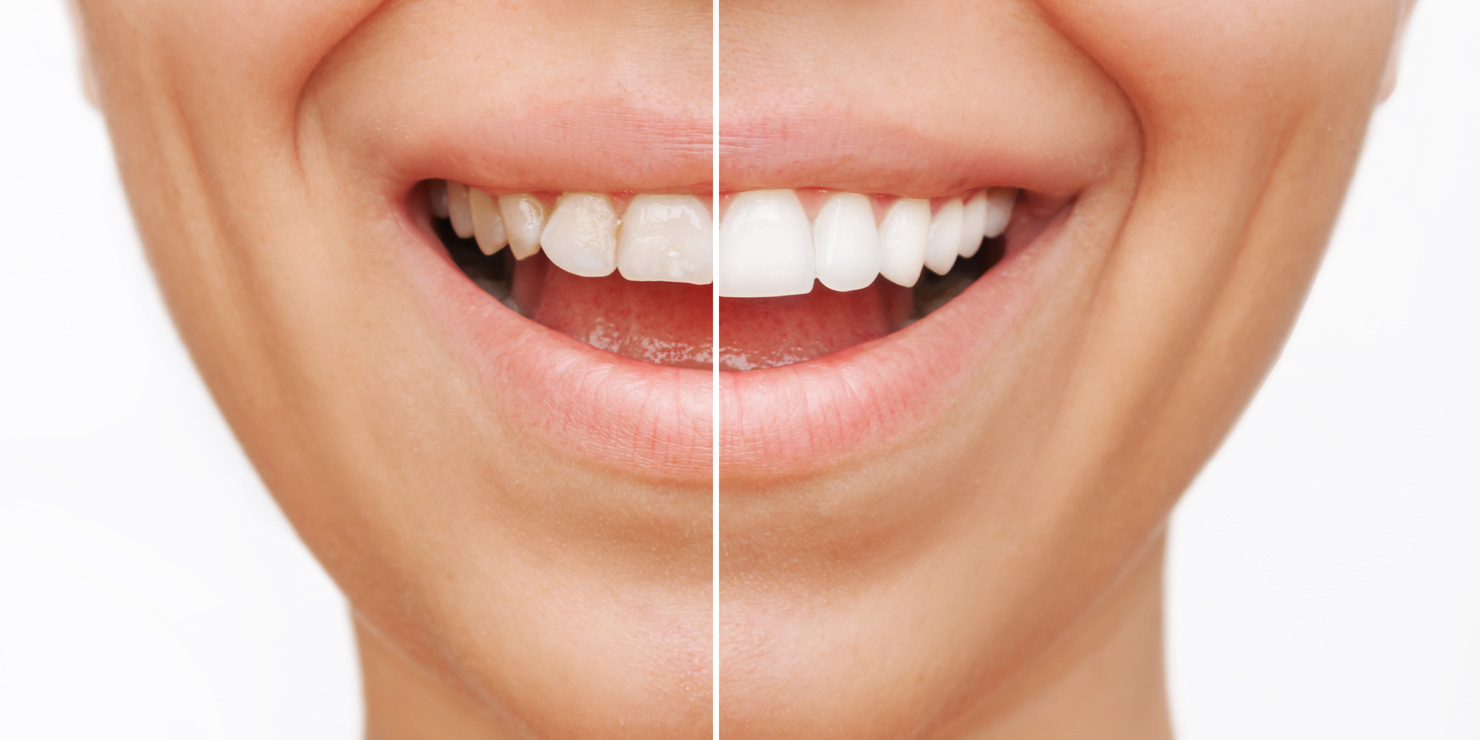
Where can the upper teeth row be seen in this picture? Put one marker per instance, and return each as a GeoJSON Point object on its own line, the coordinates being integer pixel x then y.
{"type": "Point", "coordinates": [767, 244]}
{"type": "Point", "coordinates": [767, 247]}
{"type": "Point", "coordinates": [658, 237]}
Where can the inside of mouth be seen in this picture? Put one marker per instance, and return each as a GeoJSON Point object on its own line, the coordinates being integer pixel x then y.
{"type": "Point", "coordinates": [671, 323]}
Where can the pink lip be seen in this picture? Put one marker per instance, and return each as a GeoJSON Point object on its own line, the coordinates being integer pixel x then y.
{"type": "Point", "coordinates": [854, 404]}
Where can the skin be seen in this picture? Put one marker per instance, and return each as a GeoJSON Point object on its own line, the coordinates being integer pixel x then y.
{"type": "Point", "coordinates": [501, 587]}
{"type": "Point", "coordinates": [997, 574]}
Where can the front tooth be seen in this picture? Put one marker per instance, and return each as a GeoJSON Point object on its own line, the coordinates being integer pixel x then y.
{"type": "Point", "coordinates": [459, 211]}
{"type": "Point", "coordinates": [581, 237]}
{"type": "Point", "coordinates": [438, 194]}
{"type": "Point", "coordinates": [488, 225]}
{"type": "Point", "coordinates": [668, 238]}
{"type": "Point", "coordinates": [999, 211]}
{"type": "Point", "coordinates": [945, 238]}
{"type": "Point", "coordinates": [904, 233]}
{"type": "Point", "coordinates": [973, 223]}
{"type": "Point", "coordinates": [524, 219]}
{"type": "Point", "coordinates": [847, 241]}
{"type": "Point", "coordinates": [765, 246]}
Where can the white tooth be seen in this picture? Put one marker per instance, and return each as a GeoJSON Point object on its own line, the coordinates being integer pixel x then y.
{"type": "Point", "coordinates": [973, 223]}
{"type": "Point", "coordinates": [581, 237]}
{"type": "Point", "coordinates": [945, 237]}
{"type": "Point", "coordinates": [668, 238]}
{"type": "Point", "coordinates": [488, 225]}
{"type": "Point", "coordinates": [459, 211]}
{"type": "Point", "coordinates": [999, 211]}
{"type": "Point", "coordinates": [904, 232]}
{"type": "Point", "coordinates": [438, 197]}
{"type": "Point", "coordinates": [765, 246]}
{"type": "Point", "coordinates": [524, 219]}
{"type": "Point", "coordinates": [847, 240]}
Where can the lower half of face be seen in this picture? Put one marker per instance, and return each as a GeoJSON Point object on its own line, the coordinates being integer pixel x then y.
{"type": "Point", "coordinates": [993, 280]}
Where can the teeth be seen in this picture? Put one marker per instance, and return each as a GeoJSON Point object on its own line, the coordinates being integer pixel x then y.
{"type": "Point", "coordinates": [488, 225]}
{"type": "Point", "coordinates": [524, 219]}
{"type": "Point", "coordinates": [667, 238]}
{"type": "Point", "coordinates": [439, 199]}
{"type": "Point", "coordinates": [581, 237]}
{"type": "Point", "coordinates": [459, 211]}
{"type": "Point", "coordinates": [904, 233]}
{"type": "Point", "coordinates": [944, 242]}
{"type": "Point", "coordinates": [999, 211]}
{"type": "Point", "coordinates": [765, 246]}
{"type": "Point", "coordinates": [768, 246]}
{"type": "Point", "coordinates": [849, 254]}
{"type": "Point", "coordinates": [973, 224]}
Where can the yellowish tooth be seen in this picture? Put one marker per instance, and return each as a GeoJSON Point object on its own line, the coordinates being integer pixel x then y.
{"type": "Point", "coordinates": [437, 193]}
{"type": "Point", "coordinates": [459, 210]}
{"type": "Point", "coordinates": [488, 225]}
{"type": "Point", "coordinates": [581, 237]}
{"type": "Point", "coordinates": [524, 220]}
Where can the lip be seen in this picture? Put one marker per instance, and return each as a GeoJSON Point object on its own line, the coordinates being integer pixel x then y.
{"type": "Point", "coordinates": [856, 404]}
{"type": "Point", "coordinates": [640, 420]}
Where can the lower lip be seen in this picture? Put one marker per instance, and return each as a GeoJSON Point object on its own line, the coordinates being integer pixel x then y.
{"type": "Point", "coordinates": [655, 422]}
{"type": "Point", "coordinates": [854, 404]}
{"type": "Point", "coordinates": [638, 419]}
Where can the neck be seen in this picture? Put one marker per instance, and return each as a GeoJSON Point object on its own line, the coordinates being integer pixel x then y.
{"type": "Point", "coordinates": [403, 700]}
{"type": "Point", "coordinates": [1103, 680]}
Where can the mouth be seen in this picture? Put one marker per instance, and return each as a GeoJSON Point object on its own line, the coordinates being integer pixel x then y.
{"type": "Point", "coordinates": [804, 273]}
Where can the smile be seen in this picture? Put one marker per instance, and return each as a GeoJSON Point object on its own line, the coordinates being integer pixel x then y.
{"type": "Point", "coordinates": [805, 272]}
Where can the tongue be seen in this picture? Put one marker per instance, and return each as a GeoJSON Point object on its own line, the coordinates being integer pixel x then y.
{"type": "Point", "coordinates": [768, 332]}
{"type": "Point", "coordinates": [670, 323]}
{"type": "Point", "coordinates": [663, 323]}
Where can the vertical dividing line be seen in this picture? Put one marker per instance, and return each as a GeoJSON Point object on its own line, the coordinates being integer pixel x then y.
{"type": "Point", "coordinates": [714, 365]}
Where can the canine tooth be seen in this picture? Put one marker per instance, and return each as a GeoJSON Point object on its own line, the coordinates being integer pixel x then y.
{"type": "Point", "coordinates": [905, 230]}
{"type": "Point", "coordinates": [945, 237]}
{"type": "Point", "coordinates": [438, 197]}
{"type": "Point", "coordinates": [847, 242]}
{"type": "Point", "coordinates": [999, 211]}
{"type": "Point", "coordinates": [524, 219]}
{"type": "Point", "coordinates": [488, 225]}
{"type": "Point", "coordinates": [581, 237]}
{"type": "Point", "coordinates": [668, 238]}
{"type": "Point", "coordinates": [765, 246]}
{"type": "Point", "coordinates": [459, 210]}
{"type": "Point", "coordinates": [973, 223]}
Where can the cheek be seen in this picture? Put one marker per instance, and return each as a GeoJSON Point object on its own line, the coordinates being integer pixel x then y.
{"type": "Point", "coordinates": [243, 50]}
{"type": "Point", "coordinates": [1216, 60]}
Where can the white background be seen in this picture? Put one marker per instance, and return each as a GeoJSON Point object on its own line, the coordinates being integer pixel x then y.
{"type": "Point", "coordinates": [1325, 570]}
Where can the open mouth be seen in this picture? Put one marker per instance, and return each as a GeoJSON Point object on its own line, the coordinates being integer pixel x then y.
{"type": "Point", "coordinates": [802, 273]}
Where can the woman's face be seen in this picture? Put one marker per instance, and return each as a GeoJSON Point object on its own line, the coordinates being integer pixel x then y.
{"type": "Point", "coordinates": [913, 507]}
